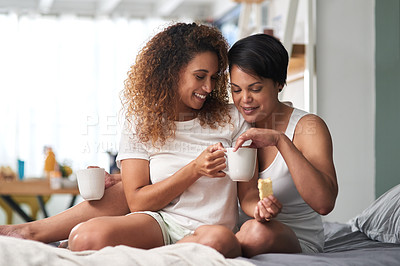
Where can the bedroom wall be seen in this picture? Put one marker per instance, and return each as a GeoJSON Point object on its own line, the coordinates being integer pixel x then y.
{"type": "Point", "coordinates": [346, 98]}
{"type": "Point", "coordinates": [345, 61]}
{"type": "Point", "coordinates": [387, 94]}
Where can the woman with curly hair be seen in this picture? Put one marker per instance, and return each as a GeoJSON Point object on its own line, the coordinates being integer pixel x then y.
{"type": "Point", "coordinates": [171, 155]}
{"type": "Point", "coordinates": [150, 91]}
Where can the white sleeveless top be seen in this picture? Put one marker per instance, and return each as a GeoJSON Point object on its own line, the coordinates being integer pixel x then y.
{"type": "Point", "coordinates": [296, 213]}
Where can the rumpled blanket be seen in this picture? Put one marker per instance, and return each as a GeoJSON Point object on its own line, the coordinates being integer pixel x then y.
{"type": "Point", "coordinates": [20, 252]}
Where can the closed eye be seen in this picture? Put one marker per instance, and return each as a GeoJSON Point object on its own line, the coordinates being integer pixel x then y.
{"type": "Point", "coordinates": [256, 89]}
{"type": "Point", "coordinates": [235, 88]}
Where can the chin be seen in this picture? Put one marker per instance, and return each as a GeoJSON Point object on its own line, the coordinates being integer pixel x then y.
{"type": "Point", "coordinates": [249, 119]}
{"type": "Point", "coordinates": [198, 107]}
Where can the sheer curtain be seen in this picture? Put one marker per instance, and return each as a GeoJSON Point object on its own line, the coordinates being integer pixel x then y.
{"type": "Point", "coordinates": [60, 82]}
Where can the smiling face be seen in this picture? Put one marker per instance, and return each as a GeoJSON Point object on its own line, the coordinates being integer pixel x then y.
{"type": "Point", "coordinates": [255, 98]}
{"type": "Point", "coordinates": [197, 80]}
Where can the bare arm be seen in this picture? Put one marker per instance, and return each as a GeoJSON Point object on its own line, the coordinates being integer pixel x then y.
{"type": "Point", "coordinates": [142, 195]}
{"type": "Point", "coordinates": [248, 194]}
{"type": "Point", "coordinates": [309, 159]}
{"type": "Point", "coordinates": [262, 210]}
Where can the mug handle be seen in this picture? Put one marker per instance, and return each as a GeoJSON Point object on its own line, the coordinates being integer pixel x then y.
{"type": "Point", "coordinates": [226, 170]}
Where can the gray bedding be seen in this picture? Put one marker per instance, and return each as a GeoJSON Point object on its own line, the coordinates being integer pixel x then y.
{"type": "Point", "coordinates": [342, 247]}
{"type": "Point", "coordinates": [371, 238]}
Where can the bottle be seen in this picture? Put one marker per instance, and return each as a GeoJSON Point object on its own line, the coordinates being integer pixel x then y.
{"type": "Point", "coordinates": [50, 163]}
{"type": "Point", "coordinates": [21, 169]}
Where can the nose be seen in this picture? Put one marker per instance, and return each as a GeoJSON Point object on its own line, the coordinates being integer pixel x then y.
{"type": "Point", "coordinates": [207, 86]}
{"type": "Point", "coordinates": [246, 97]}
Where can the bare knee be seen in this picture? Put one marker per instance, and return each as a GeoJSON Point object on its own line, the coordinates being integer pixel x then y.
{"type": "Point", "coordinates": [218, 237]}
{"type": "Point", "coordinates": [90, 235]}
{"type": "Point", "coordinates": [258, 238]}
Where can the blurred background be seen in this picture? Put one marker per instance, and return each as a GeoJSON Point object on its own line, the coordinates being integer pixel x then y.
{"type": "Point", "coordinates": [63, 64]}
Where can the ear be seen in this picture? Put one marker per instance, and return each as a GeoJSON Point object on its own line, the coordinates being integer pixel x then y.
{"type": "Point", "coordinates": [280, 87]}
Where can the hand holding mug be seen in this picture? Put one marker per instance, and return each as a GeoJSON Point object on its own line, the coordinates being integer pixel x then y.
{"type": "Point", "coordinates": [109, 179]}
{"type": "Point", "coordinates": [211, 161]}
{"type": "Point", "coordinates": [91, 183]}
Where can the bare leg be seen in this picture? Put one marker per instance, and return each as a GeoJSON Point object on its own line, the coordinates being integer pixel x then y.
{"type": "Point", "coordinates": [58, 227]}
{"type": "Point", "coordinates": [135, 230]}
{"type": "Point", "coordinates": [218, 237]}
{"type": "Point", "coordinates": [258, 238]}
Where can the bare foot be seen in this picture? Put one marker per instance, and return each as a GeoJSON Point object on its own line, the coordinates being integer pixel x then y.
{"type": "Point", "coordinates": [16, 231]}
{"type": "Point", "coordinates": [63, 244]}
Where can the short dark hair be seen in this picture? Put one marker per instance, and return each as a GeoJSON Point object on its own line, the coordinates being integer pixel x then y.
{"type": "Point", "coordinates": [261, 55]}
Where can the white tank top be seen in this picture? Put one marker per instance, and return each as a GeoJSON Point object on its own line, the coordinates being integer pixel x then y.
{"type": "Point", "coordinates": [297, 214]}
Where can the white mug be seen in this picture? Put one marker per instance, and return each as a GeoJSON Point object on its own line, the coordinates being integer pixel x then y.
{"type": "Point", "coordinates": [240, 165]}
{"type": "Point", "coordinates": [91, 183]}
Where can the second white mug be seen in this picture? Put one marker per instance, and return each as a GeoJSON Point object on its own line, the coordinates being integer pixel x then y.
{"type": "Point", "coordinates": [91, 183]}
{"type": "Point", "coordinates": [241, 163]}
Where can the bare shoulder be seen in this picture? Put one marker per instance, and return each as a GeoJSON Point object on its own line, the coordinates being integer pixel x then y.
{"type": "Point", "coordinates": [311, 124]}
{"type": "Point", "coordinates": [311, 132]}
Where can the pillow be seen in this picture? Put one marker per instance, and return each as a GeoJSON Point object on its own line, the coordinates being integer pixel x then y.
{"type": "Point", "coordinates": [381, 220]}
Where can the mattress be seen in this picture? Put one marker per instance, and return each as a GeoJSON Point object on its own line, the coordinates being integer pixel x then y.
{"type": "Point", "coordinates": [342, 247]}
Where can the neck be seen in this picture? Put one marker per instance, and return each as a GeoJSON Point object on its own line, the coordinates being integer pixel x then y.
{"type": "Point", "coordinates": [186, 116]}
{"type": "Point", "coordinates": [275, 119]}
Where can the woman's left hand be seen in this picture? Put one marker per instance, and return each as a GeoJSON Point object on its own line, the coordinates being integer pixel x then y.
{"type": "Point", "coordinates": [109, 179]}
{"type": "Point", "coordinates": [267, 208]}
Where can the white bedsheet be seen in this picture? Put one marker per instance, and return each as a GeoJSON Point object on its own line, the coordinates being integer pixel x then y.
{"type": "Point", "coordinates": [19, 252]}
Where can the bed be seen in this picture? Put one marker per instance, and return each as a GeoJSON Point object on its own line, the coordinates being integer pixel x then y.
{"type": "Point", "coordinates": [342, 247]}
{"type": "Point", "coordinates": [371, 238]}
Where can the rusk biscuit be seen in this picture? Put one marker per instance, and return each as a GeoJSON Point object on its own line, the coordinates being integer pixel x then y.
{"type": "Point", "coordinates": [265, 187]}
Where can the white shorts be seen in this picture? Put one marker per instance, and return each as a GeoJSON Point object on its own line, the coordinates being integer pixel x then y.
{"type": "Point", "coordinates": [171, 231]}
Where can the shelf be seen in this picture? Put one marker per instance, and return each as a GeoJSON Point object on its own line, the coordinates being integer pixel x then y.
{"type": "Point", "coordinates": [296, 63]}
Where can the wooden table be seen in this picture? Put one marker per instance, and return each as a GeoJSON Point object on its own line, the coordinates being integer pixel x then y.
{"type": "Point", "coordinates": [38, 187]}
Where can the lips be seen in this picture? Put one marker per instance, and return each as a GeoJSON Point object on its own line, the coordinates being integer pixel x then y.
{"type": "Point", "coordinates": [249, 110]}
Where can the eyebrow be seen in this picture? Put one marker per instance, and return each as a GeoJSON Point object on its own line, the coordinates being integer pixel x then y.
{"type": "Point", "coordinates": [201, 70]}
{"type": "Point", "coordinates": [205, 71]}
{"type": "Point", "coordinates": [251, 85]}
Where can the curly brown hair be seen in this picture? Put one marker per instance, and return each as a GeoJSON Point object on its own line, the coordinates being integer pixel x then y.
{"type": "Point", "coordinates": [151, 88]}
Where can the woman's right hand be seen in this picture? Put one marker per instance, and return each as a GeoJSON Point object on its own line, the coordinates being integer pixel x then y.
{"type": "Point", "coordinates": [211, 161]}
{"type": "Point", "coordinates": [260, 137]}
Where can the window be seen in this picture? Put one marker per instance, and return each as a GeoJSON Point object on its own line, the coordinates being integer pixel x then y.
{"type": "Point", "coordinates": [60, 87]}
